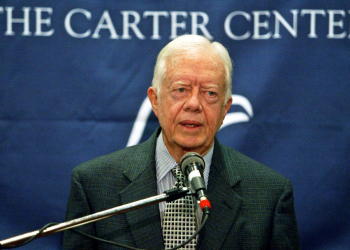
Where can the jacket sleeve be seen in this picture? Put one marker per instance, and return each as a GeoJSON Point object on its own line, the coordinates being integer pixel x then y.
{"type": "Point", "coordinates": [78, 207]}
{"type": "Point", "coordinates": [285, 231]}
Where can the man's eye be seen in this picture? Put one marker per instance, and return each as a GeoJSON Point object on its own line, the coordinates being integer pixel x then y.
{"type": "Point", "coordinates": [181, 90]}
{"type": "Point", "coordinates": [211, 93]}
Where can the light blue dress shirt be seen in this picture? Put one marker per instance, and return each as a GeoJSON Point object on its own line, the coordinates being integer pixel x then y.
{"type": "Point", "coordinates": [165, 179]}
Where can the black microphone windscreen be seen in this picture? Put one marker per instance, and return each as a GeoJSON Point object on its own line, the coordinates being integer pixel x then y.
{"type": "Point", "coordinates": [190, 158]}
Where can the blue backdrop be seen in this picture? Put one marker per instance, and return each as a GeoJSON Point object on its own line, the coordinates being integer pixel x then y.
{"type": "Point", "coordinates": [74, 76]}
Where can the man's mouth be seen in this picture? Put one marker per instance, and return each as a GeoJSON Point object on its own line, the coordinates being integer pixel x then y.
{"type": "Point", "coordinates": [190, 124]}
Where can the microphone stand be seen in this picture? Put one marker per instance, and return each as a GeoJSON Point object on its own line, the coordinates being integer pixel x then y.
{"type": "Point", "coordinates": [167, 196]}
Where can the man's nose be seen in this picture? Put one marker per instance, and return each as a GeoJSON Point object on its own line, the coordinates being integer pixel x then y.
{"type": "Point", "coordinates": [193, 102]}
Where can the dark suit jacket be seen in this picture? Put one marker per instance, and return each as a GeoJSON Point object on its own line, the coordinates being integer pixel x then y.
{"type": "Point", "coordinates": [252, 205]}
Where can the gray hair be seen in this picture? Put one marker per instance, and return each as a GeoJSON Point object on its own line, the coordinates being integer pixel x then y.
{"type": "Point", "coordinates": [191, 43]}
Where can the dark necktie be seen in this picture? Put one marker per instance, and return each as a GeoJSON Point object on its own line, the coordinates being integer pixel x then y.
{"type": "Point", "coordinates": [179, 222]}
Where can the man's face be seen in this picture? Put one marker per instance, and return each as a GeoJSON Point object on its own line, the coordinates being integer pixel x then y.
{"type": "Point", "coordinates": [191, 105]}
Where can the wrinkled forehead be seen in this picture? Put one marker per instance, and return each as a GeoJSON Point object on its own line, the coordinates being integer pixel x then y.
{"type": "Point", "coordinates": [196, 56]}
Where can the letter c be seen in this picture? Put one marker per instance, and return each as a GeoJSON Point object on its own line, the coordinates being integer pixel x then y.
{"type": "Point", "coordinates": [67, 23]}
{"type": "Point", "coordinates": [228, 22]}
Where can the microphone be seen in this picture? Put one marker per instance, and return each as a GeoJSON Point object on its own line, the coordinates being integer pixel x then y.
{"type": "Point", "coordinates": [192, 166]}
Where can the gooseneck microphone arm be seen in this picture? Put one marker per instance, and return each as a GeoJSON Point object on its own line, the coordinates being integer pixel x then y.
{"type": "Point", "coordinates": [167, 196]}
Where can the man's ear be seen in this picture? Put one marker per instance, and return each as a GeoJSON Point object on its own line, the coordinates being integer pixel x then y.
{"type": "Point", "coordinates": [227, 106]}
{"type": "Point", "coordinates": [153, 98]}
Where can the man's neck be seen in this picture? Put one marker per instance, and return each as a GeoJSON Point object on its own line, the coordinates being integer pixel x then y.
{"type": "Point", "coordinates": [177, 151]}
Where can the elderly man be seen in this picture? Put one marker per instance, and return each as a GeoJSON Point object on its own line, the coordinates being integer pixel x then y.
{"type": "Point", "coordinates": [252, 205]}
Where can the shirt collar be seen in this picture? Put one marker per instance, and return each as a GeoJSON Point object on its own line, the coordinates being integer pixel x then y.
{"type": "Point", "coordinates": [165, 162]}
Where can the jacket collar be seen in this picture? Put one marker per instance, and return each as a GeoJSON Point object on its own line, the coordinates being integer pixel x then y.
{"type": "Point", "coordinates": [145, 223]}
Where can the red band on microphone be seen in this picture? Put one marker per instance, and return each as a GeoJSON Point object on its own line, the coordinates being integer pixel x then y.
{"type": "Point", "coordinates": [204, 203]}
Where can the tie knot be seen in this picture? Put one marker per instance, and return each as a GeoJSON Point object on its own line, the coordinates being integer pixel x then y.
{"type": "Point", "coordinates": [180, 178]}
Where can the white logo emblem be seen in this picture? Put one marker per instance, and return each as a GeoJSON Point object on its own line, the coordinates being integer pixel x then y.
{"type": "Point", "coordinates": [231, 118]}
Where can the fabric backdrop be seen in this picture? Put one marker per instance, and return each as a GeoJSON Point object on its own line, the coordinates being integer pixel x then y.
{"type": "Point", "coordinates": [74, 76]}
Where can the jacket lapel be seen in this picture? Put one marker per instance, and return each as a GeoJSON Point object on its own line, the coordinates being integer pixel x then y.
{"type": "Point", "coordinates": [144, 223]}
{"type": "Point", "coordinates": [225, 202]}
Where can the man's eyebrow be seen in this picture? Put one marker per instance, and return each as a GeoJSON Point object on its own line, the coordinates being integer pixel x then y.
{"type": "Point", "coordinates": [179, 83]}
{"type": "Point", "coordinates": [210, 86]}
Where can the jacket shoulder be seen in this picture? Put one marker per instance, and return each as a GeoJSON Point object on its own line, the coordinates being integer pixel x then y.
{"type": "Point", "coordinates": [119, 161]}
{"type": "Point", "coordinates": [238, 164]}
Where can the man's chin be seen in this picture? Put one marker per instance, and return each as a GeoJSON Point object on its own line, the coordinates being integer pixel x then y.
{"type": "Point", "coordinates": [194, 144]}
